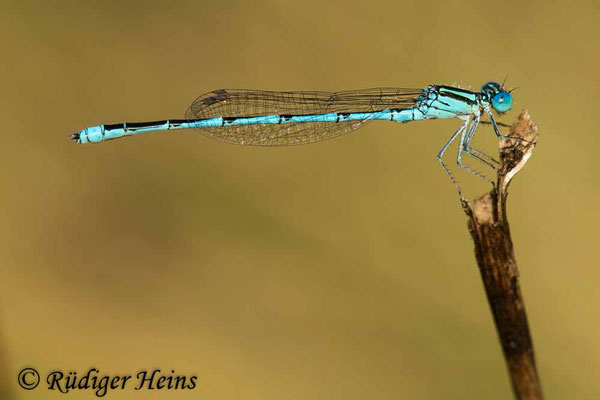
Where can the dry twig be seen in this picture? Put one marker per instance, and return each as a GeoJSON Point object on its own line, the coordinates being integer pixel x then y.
{"type": "Point", "coordinates": [488, 225]}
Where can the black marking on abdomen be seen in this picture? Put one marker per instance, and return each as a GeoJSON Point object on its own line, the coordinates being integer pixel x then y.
{"type": "Point", "coordinates": [114, 126]}
{"type": "Point", "coordinates": [228, 120]}
{"type": "Point", "coordinates": [134, 125]}
{"type": "Point", "coordinates": [286, 117]}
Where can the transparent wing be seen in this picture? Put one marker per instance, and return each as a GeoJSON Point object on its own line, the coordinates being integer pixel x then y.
{"type": "Point", "coordinates": [251, 103]}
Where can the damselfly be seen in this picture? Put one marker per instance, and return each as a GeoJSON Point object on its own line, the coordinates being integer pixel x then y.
{"type": "Point", "coordinates": [265, 118]}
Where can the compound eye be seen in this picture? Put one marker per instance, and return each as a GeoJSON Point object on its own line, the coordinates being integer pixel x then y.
{"type": "Point", "coordinates": [502, 102]}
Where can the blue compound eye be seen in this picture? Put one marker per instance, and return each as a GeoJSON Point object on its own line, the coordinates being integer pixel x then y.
{"type": "Point", "coordinates": [502, 102]}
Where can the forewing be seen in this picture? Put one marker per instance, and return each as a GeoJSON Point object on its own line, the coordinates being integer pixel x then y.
{"type": "Point", "coordinates": [251, 103]}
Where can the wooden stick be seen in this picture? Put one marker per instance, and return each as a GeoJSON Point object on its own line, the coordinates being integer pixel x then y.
{"type": "Point", "coordinates": [488, 226]}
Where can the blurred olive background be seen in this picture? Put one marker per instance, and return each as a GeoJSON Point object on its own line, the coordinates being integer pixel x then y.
{"type": "Point", "coordinates": [339, 270]}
